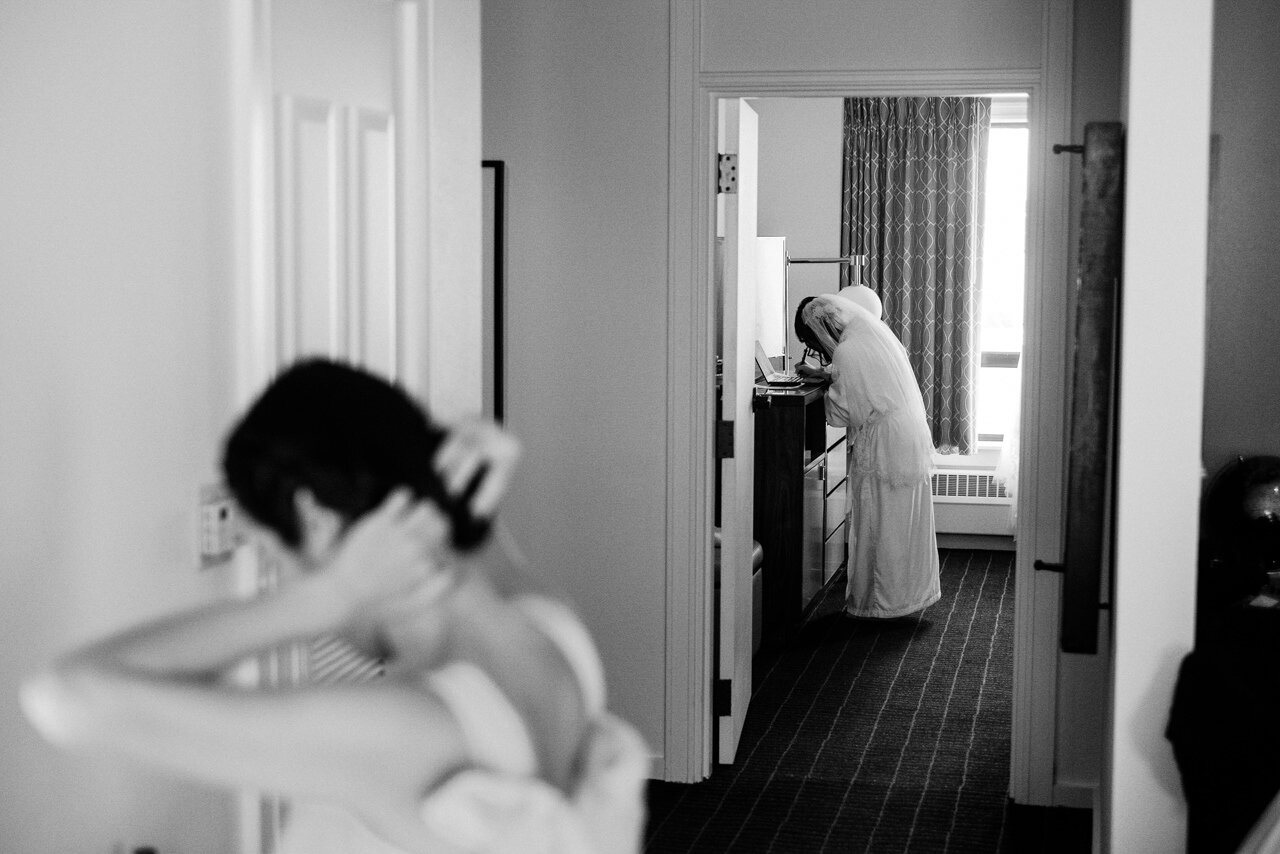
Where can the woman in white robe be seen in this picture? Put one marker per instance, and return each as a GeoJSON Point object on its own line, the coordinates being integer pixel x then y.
{"type": "Point", "coordinates": [488, 732]}
{"type": "Point", "coordinates": [893, 550]}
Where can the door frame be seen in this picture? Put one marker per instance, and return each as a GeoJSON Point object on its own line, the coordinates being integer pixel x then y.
{"type": "Point", "coordinates": [688, 748]}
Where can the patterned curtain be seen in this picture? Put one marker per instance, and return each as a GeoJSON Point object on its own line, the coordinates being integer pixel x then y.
{"type": "Point", "coordinates": [913, 180]}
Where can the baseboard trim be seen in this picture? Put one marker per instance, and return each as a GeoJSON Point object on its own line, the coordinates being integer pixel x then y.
{"type": "Point", "coordinates": [990, 542]}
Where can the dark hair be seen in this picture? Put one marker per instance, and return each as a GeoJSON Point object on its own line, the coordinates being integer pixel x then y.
{"type": "Point", "coordinates": [803, 333]}
{"type": "Point", "coordinates": [347, 436]}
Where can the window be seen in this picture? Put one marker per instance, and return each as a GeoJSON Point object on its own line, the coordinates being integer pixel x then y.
{"type": "Point", "coordinates": [1003, 272]}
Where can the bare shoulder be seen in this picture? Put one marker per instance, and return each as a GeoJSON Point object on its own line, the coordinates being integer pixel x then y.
{"type": "Point", "coordinates": [502, 635]}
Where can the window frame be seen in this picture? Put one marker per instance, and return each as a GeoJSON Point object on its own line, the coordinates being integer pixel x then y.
{"type": "Point", "coordinates": [1007, 112]}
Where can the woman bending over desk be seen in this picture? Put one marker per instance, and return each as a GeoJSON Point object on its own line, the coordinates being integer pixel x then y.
{"type": "Point", "coordinates": [893, 550]}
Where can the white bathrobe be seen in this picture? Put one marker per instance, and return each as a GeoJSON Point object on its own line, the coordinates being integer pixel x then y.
{"type": "Point", "coordinates": [893, 550]}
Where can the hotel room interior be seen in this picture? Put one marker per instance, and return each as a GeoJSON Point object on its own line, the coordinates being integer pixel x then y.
{"type": "Point", "coordinates": [147, 219]}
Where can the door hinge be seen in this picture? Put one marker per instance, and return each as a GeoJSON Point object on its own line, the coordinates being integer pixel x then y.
{"type": "Point", "coordinates": [724, 440]}
{"type": "Point", "coordinates": [727, 179]}
{"type": "Point", "coordinates": [722, 698]}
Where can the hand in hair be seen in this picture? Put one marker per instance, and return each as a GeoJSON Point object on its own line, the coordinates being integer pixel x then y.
{"type": "Point", "coordinates": [478, 449]}
{"type": "Point", "coordinates": [388, 551]}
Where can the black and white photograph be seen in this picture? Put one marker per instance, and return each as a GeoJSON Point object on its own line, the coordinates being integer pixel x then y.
{"type": "Point", "coordinates": [639, 427]}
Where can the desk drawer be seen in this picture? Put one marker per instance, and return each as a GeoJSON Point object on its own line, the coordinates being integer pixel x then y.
{"type": "Point", "coordinates": [837, 467]}
{"type": "Point", "coordinates": [833, 508]}
{"type": "Point", "coordinates": [834, 552]}
{"type": "Point", "coordinates": [812, 554]}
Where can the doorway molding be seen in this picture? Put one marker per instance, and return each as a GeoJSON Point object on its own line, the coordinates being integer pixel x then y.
{"type": "Point", "coordinates": [687, 753]}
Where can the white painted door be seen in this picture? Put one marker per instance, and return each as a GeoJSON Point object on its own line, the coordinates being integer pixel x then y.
{"type": "Point", "coordinates": [327, 203]}
{"type": "Point", "coordinates": [738, 123]}
{"type": "Point", "coordinates": [357, 127]}
{"type": "Point", "coordinates": [332, 81]}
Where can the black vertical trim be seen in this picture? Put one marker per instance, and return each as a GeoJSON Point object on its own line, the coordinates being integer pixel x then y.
{"type": "Point", "coordinates": [722, 699]}
{"type": "Point", "coordinates": [1088, 538]}
{"type": "Point", "coordinates": [499, 168]}
{"type": "Point", "coordinates": [724, 440]}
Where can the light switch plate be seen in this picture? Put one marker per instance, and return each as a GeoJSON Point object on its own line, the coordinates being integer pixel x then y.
{"type": "Point", "coordinates": [220, 532]}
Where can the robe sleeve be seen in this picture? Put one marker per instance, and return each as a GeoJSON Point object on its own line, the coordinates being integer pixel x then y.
{"type": "Point", "coordinates": [874, 392]}
{"type": "Point", "coordinates": [848, 404]}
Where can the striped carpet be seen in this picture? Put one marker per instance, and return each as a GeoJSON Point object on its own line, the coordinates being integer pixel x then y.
{"type": "Point", "coordinates": [868, 736]}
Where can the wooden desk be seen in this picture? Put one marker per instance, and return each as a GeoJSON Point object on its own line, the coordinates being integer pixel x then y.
{"type": "Point", "coordinates": [799, 504]}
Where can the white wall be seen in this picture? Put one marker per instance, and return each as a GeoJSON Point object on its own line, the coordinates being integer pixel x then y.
{"type": "Point", "coordinates": [451, 306]}
{"type": "Point", "coordinates": [1161, 382]}
{"type": "Point", "coordinates": [801, 156]}
{"type": "Point", "coordinates": [116, 375]}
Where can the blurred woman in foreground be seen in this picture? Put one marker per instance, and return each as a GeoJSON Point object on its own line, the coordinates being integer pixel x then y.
{"type": "Point", "coordinates": [486, 732]}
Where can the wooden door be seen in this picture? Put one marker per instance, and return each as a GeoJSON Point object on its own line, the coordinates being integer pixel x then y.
{"type": "Point", "coordinates": [737, 201]}
{"type": "Point", "coordinates": [1090, 459]}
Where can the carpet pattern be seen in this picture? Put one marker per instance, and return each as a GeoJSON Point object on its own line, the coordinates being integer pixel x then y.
{"type": "Point", "coordinates": [868, 735]}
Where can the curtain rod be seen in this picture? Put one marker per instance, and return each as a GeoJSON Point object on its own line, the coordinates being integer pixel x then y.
{"type": "Point", "coordinates": [847, 259]}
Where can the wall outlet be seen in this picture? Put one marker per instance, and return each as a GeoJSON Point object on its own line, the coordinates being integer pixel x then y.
{"type": "Point", "coordinates": [220, 530]}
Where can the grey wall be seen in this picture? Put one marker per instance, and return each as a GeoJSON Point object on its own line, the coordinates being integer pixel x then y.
{"type": "Point", "coordinates": [575, 102]}
{"type": "Point", "coordinates": [1242, 358]}
{"type": "Point", "coordinates": [832, 35]}
{"type": "Point", "coordinates": [801, 143]}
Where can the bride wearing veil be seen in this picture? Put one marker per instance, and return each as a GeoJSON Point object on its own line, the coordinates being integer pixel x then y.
{"type": "Point", "coordinates": [893, 550]}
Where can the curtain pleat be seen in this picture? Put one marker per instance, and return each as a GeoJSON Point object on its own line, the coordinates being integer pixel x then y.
{"type": "Point", "coordinates": [912, 201]}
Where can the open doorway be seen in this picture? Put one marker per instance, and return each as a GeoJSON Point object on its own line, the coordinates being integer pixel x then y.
{"type": "Point", "coordinates": [1042, 699]}
{"type": "Point", "coordinates": [799, 199]}
{"type": "Point", "coordinates": [803, 222]}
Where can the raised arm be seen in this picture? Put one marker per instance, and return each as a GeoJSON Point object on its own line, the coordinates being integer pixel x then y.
{"type": "Point", "coordinates": [374, 749]}
{"type": "Point", "coordinates": [151, 693]}
{"type": "Point", "coordinates": [199, 645]}
{"type": "Point", "coordinates": [478, 447]}
{"type": "Point", "coordinates": [383, 554]}
{"type": "Point", "coordinates": [847, 404]}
